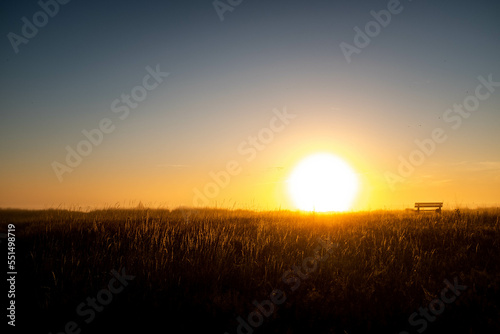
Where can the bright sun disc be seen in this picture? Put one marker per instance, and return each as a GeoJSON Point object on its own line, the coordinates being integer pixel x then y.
{"type": "Point", "coordinates": [323, 182]}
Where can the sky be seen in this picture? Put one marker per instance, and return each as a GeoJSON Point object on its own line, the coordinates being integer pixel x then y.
{"type": "Point", "coordinates": [158, 101]}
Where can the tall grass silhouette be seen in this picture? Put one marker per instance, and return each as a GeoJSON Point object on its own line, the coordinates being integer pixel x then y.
{"type": "Point", "coordinates": [202, 273]}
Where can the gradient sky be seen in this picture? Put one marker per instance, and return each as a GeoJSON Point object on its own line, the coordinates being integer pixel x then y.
{"type": "Point", "coordinates": [225, 79]}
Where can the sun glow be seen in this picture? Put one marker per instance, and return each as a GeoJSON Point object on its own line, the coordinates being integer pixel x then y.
{"type": "Point", "coordinates": [323, 182]}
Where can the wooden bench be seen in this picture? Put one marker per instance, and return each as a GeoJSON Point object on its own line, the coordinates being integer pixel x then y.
{"type": "Point", "coordinates": [434, 206]}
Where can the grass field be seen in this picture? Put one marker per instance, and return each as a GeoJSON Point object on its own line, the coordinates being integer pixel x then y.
{"type": "Point", "coordinates": [209, 271]}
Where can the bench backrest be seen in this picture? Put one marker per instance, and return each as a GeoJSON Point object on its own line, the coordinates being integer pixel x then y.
{"type": "Point", "coordinates": [429, 204]}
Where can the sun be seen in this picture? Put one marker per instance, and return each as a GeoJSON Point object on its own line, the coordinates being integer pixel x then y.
{"type": "Point", "coordinates": [323, 182]}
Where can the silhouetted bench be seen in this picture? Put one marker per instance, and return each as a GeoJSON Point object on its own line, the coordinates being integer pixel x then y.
{"type": "Point", "coordinates": [435, 206]}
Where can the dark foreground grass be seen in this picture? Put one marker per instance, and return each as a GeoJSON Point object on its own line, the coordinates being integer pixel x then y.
{"type": "Point", "coordinates": [198, 271]}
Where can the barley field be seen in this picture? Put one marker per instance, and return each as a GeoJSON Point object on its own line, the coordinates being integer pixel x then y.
{"type": "Point", "coordinates": [236, 271]}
